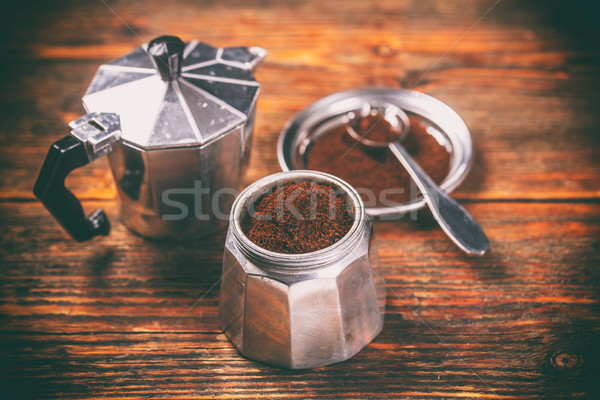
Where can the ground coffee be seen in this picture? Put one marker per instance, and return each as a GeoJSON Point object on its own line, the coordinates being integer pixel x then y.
{"type": "Point", "coordinates": [374, 128]}
{"type": "Point", "coordinates": [298, 218]}
{"type": "Point", "coordinates": [385, 180]}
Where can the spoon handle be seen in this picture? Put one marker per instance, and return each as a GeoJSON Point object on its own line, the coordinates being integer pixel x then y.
{"type": "Point", "coordinates": [458, 224]}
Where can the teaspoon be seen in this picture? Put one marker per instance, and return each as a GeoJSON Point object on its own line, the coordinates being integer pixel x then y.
{"type": "Point", "coordinates": [458, 224]}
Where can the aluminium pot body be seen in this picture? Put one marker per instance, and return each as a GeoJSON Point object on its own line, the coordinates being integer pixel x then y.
{"type": "Point", "coordinates": [179, 193]}
{"type": "Point", "coordinates": [301, 310]}
{"type": "Point", "coordinates": [176, 121]}
{"type": "Point", "coordinates": [178, 168]}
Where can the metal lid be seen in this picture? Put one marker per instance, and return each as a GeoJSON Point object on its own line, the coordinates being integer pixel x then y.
{"type": "Point", "coordinates": [305, 127]}
{"type": "Point", "coordinates": [170, 94]}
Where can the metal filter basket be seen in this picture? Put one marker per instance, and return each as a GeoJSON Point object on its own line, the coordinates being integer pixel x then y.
{"type": "Point", "coordinates": [301, 310]}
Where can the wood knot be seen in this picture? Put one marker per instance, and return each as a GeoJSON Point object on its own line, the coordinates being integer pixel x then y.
{"type": "Point", "coordinates": [385, 51]}
{"type": "Point", "coordinates": [563, 360]}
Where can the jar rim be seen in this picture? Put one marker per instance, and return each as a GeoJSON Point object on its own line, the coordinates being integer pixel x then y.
{"type": "Point", "coordinates": [277, 259]}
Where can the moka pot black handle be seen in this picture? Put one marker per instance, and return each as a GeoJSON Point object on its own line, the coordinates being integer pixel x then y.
{"type": "Point", "coordinates": [91, 137]}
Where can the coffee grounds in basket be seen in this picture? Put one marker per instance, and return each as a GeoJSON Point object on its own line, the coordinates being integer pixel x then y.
{"type": "Point", "coordinates": [298, 218]}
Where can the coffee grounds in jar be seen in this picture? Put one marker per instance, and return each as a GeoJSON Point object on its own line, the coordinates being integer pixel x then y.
{"type": "Point", "coordinates": [378, 171]}
{"type": "Point", "coordinates": [374, 128]}
{"type": "Point", "coordinates": [298, 218]}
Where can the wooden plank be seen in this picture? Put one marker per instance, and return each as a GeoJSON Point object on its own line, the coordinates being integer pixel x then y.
{"type": "Point", "coordinates": [124, 317]}
{"type": "Point", "coordinates": [559, 160]}
{"type": "Point", "coordinates": [525, 94]}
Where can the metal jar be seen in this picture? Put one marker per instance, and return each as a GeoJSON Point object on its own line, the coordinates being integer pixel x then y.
{"type": "Point", "coordinates": [309, 124]}
{"type": "Point", "coordinates": [301, 310]}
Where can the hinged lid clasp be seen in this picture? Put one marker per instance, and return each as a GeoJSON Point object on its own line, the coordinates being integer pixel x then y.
{"type": "Point", "coordinates": [97, 131]}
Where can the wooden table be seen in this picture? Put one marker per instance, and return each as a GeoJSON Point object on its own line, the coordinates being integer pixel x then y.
{"type": "Point", "coordinates": [122, 317]}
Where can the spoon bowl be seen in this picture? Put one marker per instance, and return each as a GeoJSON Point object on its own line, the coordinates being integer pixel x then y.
{"type": "Point", "coordinates": [378, 135]}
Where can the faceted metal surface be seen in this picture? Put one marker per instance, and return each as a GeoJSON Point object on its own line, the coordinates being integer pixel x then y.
{"type": "Point", "coordinates": [200, 184]}
{"type": "Point", "coordinates": [97, 131]}
{"type": "Point", "coordinates": [214, 94]}
{"type": "Point", "coordinates": [317, 309]}
{"type": "Point", "coordinates": [184, 141]}
{"type": "Point", "coordinates": [301, 320]}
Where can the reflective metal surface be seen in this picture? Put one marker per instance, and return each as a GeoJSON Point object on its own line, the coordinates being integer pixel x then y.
{"type": "Point", "coordinates": [457, 223]}
{"type": "Point", "coordinates": [398, 121]}
{"type": "Point", "coordinates": [332, 110]}
{"type": "Point", "coordinates": [178, 193]}
{"type": "Point", "coordinates": [97, 132]}
{"type": "Point", "coordinates": [187, 115]}
{"type": "Point", "coordinates": [213, 93]}
{"type": "Point", "coordinates": [301, 310]}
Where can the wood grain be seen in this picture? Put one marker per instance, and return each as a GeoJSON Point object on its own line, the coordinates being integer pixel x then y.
{"type": "Point", "coordinates": [521, 88]}
{"type": "Point", "coordinates": [142, 315]}
{"type": "Point", "coordinates": [123, 317]}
